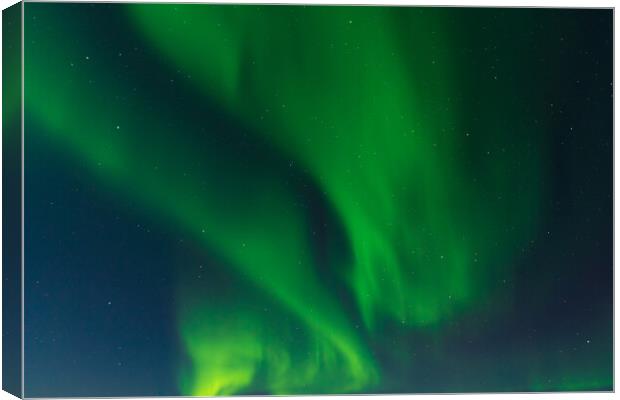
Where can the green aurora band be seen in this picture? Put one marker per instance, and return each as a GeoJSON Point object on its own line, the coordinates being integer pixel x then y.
{"type": "Point", "coordinates": [368, 106]}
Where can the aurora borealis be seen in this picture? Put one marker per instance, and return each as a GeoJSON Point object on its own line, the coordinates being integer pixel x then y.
{"type": "Point", "coordinates": [253, 199]}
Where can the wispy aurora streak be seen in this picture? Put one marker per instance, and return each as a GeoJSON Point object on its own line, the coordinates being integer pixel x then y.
{"type": "Point", "coordinates": [365, 105]}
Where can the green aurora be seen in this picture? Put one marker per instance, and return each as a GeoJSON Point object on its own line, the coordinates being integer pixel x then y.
{"type": "Point", "coordinates": [385, 186]}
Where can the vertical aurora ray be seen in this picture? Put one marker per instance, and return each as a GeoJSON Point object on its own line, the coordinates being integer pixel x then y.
{"type": "Point", "coordinates": [361, 178]}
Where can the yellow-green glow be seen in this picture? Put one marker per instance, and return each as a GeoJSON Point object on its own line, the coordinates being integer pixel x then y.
{"type": "Point", "coordinates": [367, 108]}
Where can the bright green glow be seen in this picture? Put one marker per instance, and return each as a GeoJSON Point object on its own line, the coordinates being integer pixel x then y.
{"type": "Point", "coordinates": [263, 237]}
{"type": "Point", "coordinates": [368, 116]}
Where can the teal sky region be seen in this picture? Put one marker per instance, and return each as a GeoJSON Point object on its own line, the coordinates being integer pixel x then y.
{"type": "Point", "coordinates": [242, 199]}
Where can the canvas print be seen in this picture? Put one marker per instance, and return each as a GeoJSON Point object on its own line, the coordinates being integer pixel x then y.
{"type": "Point", "coordinates": [280, 200]}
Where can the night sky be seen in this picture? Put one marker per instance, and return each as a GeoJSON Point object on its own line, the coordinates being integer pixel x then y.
{"type": "Point", "coordinates": [306, 200]}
